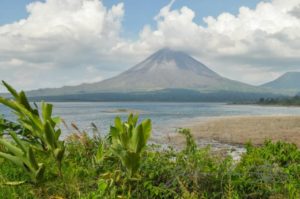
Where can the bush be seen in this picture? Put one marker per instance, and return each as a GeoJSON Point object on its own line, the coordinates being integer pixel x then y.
{"type": "Point", "coordinates": [269, 170]}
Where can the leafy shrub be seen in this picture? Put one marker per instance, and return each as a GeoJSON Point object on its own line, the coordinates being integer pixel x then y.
{"type": "Point", "coordinates": [38, 131]}
{"type": "Point", "coordinates": [23, 156]}
{"type": "Point", "coordinates": [128, 141]}
{"type": "Point", "coordinates": [269, 170]}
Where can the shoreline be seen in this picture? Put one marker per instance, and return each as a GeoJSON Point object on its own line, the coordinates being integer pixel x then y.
{"type": "Point", "coordinates": [238, 130]}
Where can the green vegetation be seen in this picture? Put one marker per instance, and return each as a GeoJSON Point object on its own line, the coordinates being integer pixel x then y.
{"type": "Point", "coordinates": [128, 140]}
{"type": "Point", "coordinates": [36, 131]}
{"type": "Point", "coordinates": [122, 165]}
{"type": "Point", "coordinates": [293, 101]}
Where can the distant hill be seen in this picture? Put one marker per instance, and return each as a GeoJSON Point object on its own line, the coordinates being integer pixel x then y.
{"type": "Point", "coordinates": [165, 69]}
{"type": "Point", "coordinates": [289, 81]}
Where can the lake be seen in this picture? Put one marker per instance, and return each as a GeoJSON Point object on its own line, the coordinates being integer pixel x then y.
{"type": "Point", "coordinates": [165, 116]}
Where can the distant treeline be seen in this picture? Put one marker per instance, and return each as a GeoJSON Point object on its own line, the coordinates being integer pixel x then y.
{"type": "Point", "coordinates": [292, 101]}
{"type": "Point", "coordinates": [167, 95]}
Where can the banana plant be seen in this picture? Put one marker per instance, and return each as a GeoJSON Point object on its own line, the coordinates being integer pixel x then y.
{"type": "Point", "coordinates": [41, 128]}
{"type": "Point", "coordinates": [128, 141]}
{"type": "Point", "coordinates": [22, 155]}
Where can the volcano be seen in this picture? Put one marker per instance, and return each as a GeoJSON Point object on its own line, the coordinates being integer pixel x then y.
{"type": "Point", "coordinates": [165, 69]}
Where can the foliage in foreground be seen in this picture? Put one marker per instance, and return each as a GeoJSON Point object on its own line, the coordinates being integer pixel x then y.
{"type": "Point", "coordinates": [121, 165]}
{"type": "Point", "coordinates": [33, 133]}
{"type": "Point", "coordinates": [162, 174]}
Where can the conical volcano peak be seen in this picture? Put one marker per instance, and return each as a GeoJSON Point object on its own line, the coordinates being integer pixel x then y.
{"type": "Point", "coordinates": [167, 54]}
{"type": "Point", "coordinates": [168, 61]}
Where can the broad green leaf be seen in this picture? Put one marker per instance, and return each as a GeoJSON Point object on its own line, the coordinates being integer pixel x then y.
{"type": "Point", "coordinates": [118, 123]}
{"type": "Point", "coordinates": [24, 101]}
{"type": "Point", "coordinates": [141, 135]}
{"type": "Point", "coordinates": [40, 172]}
{"type": "Point", "coordinates": [11, 148]}
{"type": "Point", "coordinates": [57, 134]}
{"type": "Point", "coordinates": [129, 119]}
{"type": "Point", "coordinates": [147, 128]}
{"type": "Point", "coordinates": [9, 103]}
{"type": "Point", "coordinates": [11, 89]}
{"type": "Point", "coordinates": [114, 133]}
{"type": "Point", "coordinates": [59, 154]}
{"type": "Point", "coordinates": [56, 120]}
{"type": "Point", "coordinates": [31, 159]}
{"type": "Point", "coordinates": [16, 160]}
{"type": "Point", "coordinates": [138, 140]}
{"type": "Point", "coordinates": [18, 141]}
{"type": "Point", "coordinates": [46, 111]}
{"type": "Point", "coordinates": [135, 120]}
{"type": "Point", "coordinates": [49, 134]}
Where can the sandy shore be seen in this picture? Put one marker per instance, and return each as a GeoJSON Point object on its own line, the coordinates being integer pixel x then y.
{"type": "Point", "coordinates": [241, 129]}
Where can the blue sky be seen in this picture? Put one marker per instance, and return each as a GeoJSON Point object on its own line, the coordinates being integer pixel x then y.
{"type": "Point", "coordinates": [52, 43]}
{"type": "Point", "coordinates": [138, 13]}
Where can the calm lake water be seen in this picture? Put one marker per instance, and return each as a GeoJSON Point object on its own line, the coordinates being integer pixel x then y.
{"type": "Point", "coordinates": [164, 115]}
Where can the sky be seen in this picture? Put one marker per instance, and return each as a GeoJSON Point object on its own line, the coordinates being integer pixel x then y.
{"type": "Point", "coordinates": [52, 43]}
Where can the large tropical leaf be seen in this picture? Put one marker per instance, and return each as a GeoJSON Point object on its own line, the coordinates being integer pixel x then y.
{"type": "Point", "coordinates": [16, 160]}
{"type": "Point", "coordinates": [11, 148]}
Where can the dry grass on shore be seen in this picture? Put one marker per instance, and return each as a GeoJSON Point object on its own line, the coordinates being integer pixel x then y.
{"type": "Point", "coordinates": [241, 129]}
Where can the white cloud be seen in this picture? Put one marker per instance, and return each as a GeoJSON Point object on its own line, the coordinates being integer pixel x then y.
{"type": "Point", "coordinates": [57, 41]}
{"type": "Point", "coordinates": [261, 40]}
{"type": "Point", "coordinates": [72, 41]}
